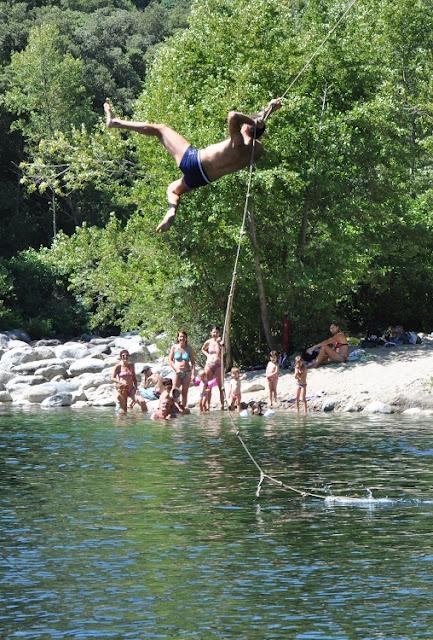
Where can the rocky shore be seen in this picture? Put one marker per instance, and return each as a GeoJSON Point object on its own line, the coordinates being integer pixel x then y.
{"type": "Point", "coordinates": [49, 374]}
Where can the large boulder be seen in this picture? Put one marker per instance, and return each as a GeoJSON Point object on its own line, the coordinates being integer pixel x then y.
{"type": "Point", "coordinates": [47, 342]}
{"type": "Point", "coordinates": [5, 396]}
{"type": "Point", "coordinates": [44, 353]}
{"type": "Point", "coordinates": [52, 371]}
{"type": "Point", "coordinates": [24, 381]}
{"type": "Point", "coordinates": [38, 393]}
{"type": "Point", "coordinates": [253, 388]}
{"type": "Point", "coordinates": [5, 376]}
{"type": "Point", "coordinates": [99, 341]}
{"type": "Point", "coordinates": [99, 350]}
{"type": "Point", "coordinates": [102, 396]}
{"type": "Point", "coordinates": [377, 407]}
{"type": "Point", "coordinates": [86, 365]}
{"type": "Point", "coordinates": [32, 365]}
{"type": "Point", "coordinates": [88, 380]}
{"type": "Point", "coordinates": [4, 341]}
{"type": "Point", "coordinates": [58, 400]}
{"type": "Point", "coordinates": [73, 350]}
{"type": "Point", "coordinates": [16, 356]}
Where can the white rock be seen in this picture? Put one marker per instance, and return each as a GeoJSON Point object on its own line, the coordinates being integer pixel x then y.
{"type": "Point", "coordinates": [15, 344]}
{"type": "Point", "coordinates": [5, 376]}
{"type": "Point", "coordinates": [74, 350]}
{"type": "Point", "coordinates": [44, 353]}
{"type": "Point", "coordinates": [52, 371]}
{"type": "Point", "coordinates": [99, 350]}
{"type": "Point", "coordinates": [24, 381]}
{"type": "Point", "coordinates": [417, 411]}
{"type": "Point", "coordinates": [351, 407]}
{"type": "Point", "coordinates": [377, 407]}
{"type": "Point", "coordinates": [34, 364]}
{"type": "Point", "coordinates": [79, 396]}
{"type": "Point", "coordinates": [58, 400]}
{"type": "Point", "coordinates": [49, 342]}
{"type": "Point", "coordinates": [5, 396]}
{"type": "Point", "coordinates": [86, 365]}
{"type": "Point", "coordinates": [4, 341]}
{"type": "Point", "coordinates": [103, 396]}
{"type": "Point", "coordinates": [99, 341]}
{"type": "Point", "coordinates": [79, 404]}
{"type": "Point", "coordinates": [256, 386]}
{"type": "Point", "coordinates": [40, 392]}
{"type": "Point", "coordinates": [16, 356]}
{"type": "Point", "coordinates": [88, 380]}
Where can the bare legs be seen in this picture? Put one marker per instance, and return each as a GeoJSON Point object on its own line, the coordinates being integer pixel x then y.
{"type": "Point", "coordinates": [327, 354]}
{"type": "Point", "coordinates": [301, 396]}
{"type": "Point", "coordinates": [175, 144]}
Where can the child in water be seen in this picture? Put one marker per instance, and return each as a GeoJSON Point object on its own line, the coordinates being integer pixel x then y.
{"type": "Point", "coordinates": [235, 390]}
{"type": "Point", "coordinates": [272, 372]}
{"type": "Point", "coordinates": [301, 380]}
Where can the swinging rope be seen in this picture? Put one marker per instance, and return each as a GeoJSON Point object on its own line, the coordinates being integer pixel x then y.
{"type": "Point", "coordinates": [316, 52]}
{"type": "Point", "coordinates": [227, 319]}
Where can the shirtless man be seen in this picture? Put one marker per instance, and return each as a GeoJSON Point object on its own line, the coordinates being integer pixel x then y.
{"type": "Point", "coordinates": [202, 166]}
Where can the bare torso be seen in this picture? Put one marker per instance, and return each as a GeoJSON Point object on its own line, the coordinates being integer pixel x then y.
{"type": "Point", "coordinates": [225, 157]}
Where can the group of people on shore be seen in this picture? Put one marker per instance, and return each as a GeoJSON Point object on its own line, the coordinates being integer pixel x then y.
{"type": "Point", "coordinates": [172, 392]}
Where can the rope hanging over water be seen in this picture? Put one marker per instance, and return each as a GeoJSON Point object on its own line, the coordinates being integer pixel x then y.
{"type": "Point", "coordinates": [227, 319]}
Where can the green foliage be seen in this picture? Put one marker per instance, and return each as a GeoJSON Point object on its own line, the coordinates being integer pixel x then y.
{"type": "Point", "coordinates": [33, 295]}
{"type": "Point", "coordinates": [45, 87]}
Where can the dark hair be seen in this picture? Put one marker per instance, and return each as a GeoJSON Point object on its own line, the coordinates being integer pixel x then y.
{"type": "Point", "coordinates": [167, 382]}
{"type": "Point", "coordinates": [123, 351]}
{"type": "Point", "coordinates": [216, 328]}
{"type": "Point", "coordinates": [175, 393]}
{"type": "Point", "coordinates": [183, 333]}
{"type": "Point", "coordinates": [258, 129]}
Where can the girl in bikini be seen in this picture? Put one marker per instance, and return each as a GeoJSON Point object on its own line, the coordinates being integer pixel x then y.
{"type": "Point", "coordinates": [301, 381]}
{"type": "Point", "coordinates": [182, 361]}
{"type": "Point", "coordinates": [333, 349]}
{"type": "Point", "coordinates": [125, 380]}
{"type": "Point", "coordinates": [272, 372]}
{"type": "Point", "coordinates": [212, 350]}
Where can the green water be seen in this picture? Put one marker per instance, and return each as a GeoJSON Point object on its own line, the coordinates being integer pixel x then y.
{"type": "Point", "coordinates": [130, 529]}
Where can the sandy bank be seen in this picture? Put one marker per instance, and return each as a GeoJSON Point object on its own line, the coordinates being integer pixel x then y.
{"type": "Point", "coordinates": [401, 377]}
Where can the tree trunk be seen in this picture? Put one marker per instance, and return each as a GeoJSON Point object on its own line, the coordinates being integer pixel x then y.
{"type": "Point", "coordinates": [264, 313]}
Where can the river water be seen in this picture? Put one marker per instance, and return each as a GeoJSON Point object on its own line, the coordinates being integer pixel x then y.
{"type": "Point", "coordinates": [124, 528]}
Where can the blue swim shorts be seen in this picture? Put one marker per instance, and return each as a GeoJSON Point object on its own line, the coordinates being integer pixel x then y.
{"type": "Point", "coordinates": [193, 173]}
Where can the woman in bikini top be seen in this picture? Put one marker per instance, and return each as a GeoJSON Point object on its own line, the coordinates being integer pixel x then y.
{"type": "Point", "coordinates": [333, 349]}
{"type": "Point", "coordinates": [182, 361]}
{"type": "Point", "coordinates": [125, 380]}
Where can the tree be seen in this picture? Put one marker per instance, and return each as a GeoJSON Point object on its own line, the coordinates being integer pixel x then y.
{"type": "Point", "coordinates": [45, 87]}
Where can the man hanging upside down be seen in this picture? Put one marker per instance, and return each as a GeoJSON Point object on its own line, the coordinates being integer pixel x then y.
{"type": "Point", "coordinates": [202, 166]}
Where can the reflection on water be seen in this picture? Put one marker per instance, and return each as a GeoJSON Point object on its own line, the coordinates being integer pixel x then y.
{"type": "Point", "coordinates": [130, 529]}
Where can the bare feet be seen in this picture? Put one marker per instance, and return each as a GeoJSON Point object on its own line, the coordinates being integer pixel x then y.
{"type": "Point", "coordinates": [108, 114]}
{"type": "Point", "coordinates": [166, 222]}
